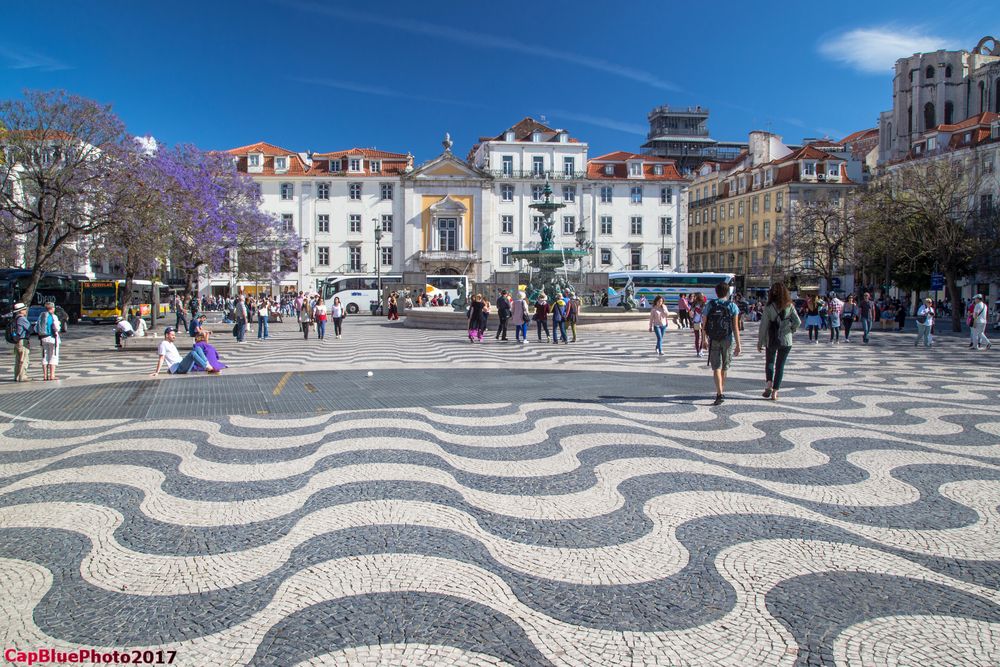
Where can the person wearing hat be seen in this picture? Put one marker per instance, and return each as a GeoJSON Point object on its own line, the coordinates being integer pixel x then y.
{"type": "Point", "coordinates": [979, 319]}
{"type": "Point", "coordinates": [22, 349]}
{"type": "Point", "coordinates": [123, 329]}
{"type": "Point", "coordinates": [176, 364]}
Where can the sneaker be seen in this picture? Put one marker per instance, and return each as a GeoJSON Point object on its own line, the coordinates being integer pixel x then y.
{"type": "Point", "coordinates": [719, 398]}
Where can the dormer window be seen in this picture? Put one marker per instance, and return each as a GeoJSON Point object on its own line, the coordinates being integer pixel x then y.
{"type": "Point", "coordinates": [334, 165]}
{"type": "Point", "coordinates": [536, 136]}
{"type": "Point", "coordinates": [809, 168]}
{"type": "Point", "coordinates": [509, 136]}
{"type": "Point", "coordinates": [832, 171]}
{"type": "Point", "coordinates": [354, 164]}
{"type": "Point", "coordinates": [375, 166]}
{"type": "Point", "coordinates": [280, 164]}
{"type": "Point", "coordinates": [253, 160]}
{"type": "Point", "coordinates": [931, 143]}
{"type": "Point", "coordinates": [635, 169]}
{"type": "Point", "coordinates": [563, 137]}
{"type": "Point", "coordinates": [609, 170]}
{"type": "Point", "coordinates": [768, 177]}
{"type": "Point", "coordinates": [658, 170]}
{"type": "Point", "coordinates": [756, 179]}
{"type": "Point", "coordinates": [968, 137]}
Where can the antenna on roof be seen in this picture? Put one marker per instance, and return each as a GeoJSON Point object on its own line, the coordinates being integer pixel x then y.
{"type": "Point", "coordinates": [542, 119]}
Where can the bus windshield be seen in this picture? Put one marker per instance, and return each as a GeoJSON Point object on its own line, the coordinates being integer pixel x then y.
{"type": "Point", "coordinates": [99, 298]}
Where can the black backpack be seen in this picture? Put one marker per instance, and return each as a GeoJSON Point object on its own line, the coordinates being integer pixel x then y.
{"type": "Point", "coordinates": [10, 333]}
{"type": "Point", "coordinates": [774, 328]}
{"type": "Point", "coordinates": [718, 321]}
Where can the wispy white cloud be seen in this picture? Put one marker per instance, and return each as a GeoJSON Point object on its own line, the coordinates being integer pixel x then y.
{"type": "Point", "coordinates": [147, 144]}
{"type": "Point", "coordinates": [381, 91]}
{"type": "Point", "coordinates": [601, 121]}
{"type": "Point", "coordinates": [27, 59]}
{"type": "Point", "coordinates": [488, 41]}
{"type": "Point", "coordinates": [876, 49]}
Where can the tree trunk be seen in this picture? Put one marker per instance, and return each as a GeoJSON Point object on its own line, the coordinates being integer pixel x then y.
{"type": "Point", "coordinates": [951, 285]}
{"type": "Point", "coordinates": [126, 293]}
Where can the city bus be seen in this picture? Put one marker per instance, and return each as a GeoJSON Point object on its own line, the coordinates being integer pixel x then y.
{"type": "Point", "coordinates": [100, 300]}
{"type": "Point", "coordinates": [670, 286]}
{"type": "Point", "coordinates": [62, 289]}
{"type": "Point", "coordinates": [357, 292]}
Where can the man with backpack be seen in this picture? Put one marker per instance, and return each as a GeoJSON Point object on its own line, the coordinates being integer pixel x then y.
{"type": "Point", "coordinates": [722, 327]}
{"type": "Point", "coordinates": [18, 334]}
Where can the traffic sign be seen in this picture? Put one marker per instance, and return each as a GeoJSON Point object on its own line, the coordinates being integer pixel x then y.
{"type": "Point", "coordinates": [937, 281]}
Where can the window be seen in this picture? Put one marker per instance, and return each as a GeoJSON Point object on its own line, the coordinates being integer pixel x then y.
{"type": "Point", "coordinates": [538, 166]}
{"type": "Point", "coordinates": [507, 162]}
{"type": "Point", "coordinates": [506, 224]}
{"type": "Point", "coordinates": [665, 257]}
{"type": "Point", "coordinates": [779, 201]}
{"type": "Point", "coordinates": [606, 194]}
{"type": "Point", "coordinates": [569, 224]}
{"type": "Point", "coordinates": [606, 225]}
{"type": "Point", "coordinates": [323, 191]}
{"type": "Point", "coordinates": [387, 223]}
{"type": "Point", "coordinates": [741, 208]}
{"type": "Point", "coordinates": [947, 72]}
{"type": "Point", "coordinates": [287, 191]}
{"type": "Point", "coordinates": [929, 72]}
{"type": "Point", "coordinates": [536, 223]}
{"type": "Point", "coordinates": [713, 214]}
{"type": "Point", "coordinates": [666, 195]}
{"type": "Point", "coordinates": [636, 256]}
{"type": "Point", "coordinates": [386, 255]}
{"type": "Point", "coordinates": [767, 203]}
{"type": "Point", "coordinates": [637, 194]}
{"type": "Point", "coordinates": [354, 257]}
{"type": "Point", "coordinates": [930, 119]}
{"type": "Point", "coordinates": [569, 193]}
{"type": "Point", "coordinates": [375, 166]}
{"type": "Point", "coordinates": [635, 169]}
{"type": "Point", "coordinates": [505, 257]}
{"type": "Point", "coordinates": [569, 166]}
{"type": "Point", "coordinates": [354, 164]}
{"type": "Point", "coordinates": [832, 171]}
{"type": "Point", "coordinates": [730, 209]}
{"type": "Point", "coordinates": [756, 179]}
{"type": "Point", "coordinates": [386, 190]}
{"type": "Point", "coordinates": [287, 222]}
{"type": "Point", "coordinates": [537, 192]}
{"type": "Point", "coordinates": [323, 255]}
{"type": "Point", "coordinates": [754, 232]}
{"type": "Point", "coordinates": [722, 212]}
{"type": "Point", "coordinates": [949, 113]}
{"type": "Point", "coordinates": [355, 191]}
{"type": "Point", "coordinates": [755, 203]}
{"type": "Point", "coordinates": [666, 226]}
{"type": "Point", "coordinates": [334, 166]}
{"type": "Point", "coordinates": [635, 226]}
{"type": "Point", "coordinates": [280, 164]}
{"type": "Point", "coordinates": [448, 234]}
{"type": "Point", "coordinates": [985, 204]}
{"type": "Point", "coordinates": [809, 169]}
{"type": "Point", "coordinates": [658, 170]}
{"type": "Point", "coordinates": [609, 170]}
{"type": "Point", "coordinates": [253, 160]}
{"type": "Point", "coordinates": [506, 193]}
{"type": "Point", "coordinates": [354, 223]}
{"type": "Point", "coordinates": [605, 256]}
{"type": "Point", "coordinates": [323, 223]}
{"type": "Point", "coordinates": [712, 237]}
{"type": "Point", "coordinates": [767, 230]}
{"type": "Point", "coordinates": [739, 233]}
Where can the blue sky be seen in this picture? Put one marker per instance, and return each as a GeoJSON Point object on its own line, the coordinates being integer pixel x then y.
{"type": "Point", "coordinates": [320, 75]}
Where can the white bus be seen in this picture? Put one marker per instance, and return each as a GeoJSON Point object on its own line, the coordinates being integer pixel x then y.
{"type": "Point", "coordinates": [357, 292]}
{"type": "Point", "coordinates": [669, 285]}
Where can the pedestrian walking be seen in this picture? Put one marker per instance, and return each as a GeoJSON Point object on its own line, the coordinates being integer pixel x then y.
{"type": "Point", "coordinates": [181, 313]}
{"type": "Point", "coordinates": [979, 319]}
{"type": "Point", "coordinates": [504, 314]}
{"type": "Point", "coordinates": [541, 317]}
{"type": "Point", "coordinates": [658, 315]}
{"type": "Point", "coordinates": [573, 314]}
{"type": "Point", "coordinates": [559, 321]}
{"type": "Point", "coordinates": [813, 319]}
{"type": "Point", "coordinates": [866, 314]}
{"type": "Point", "coordinates": [834, 307]}
{"type": "Point", "coordinates": [849, 316]}
{"type": "Point", "coordinates": [697, 315]}
{"type": "Point", "coordinates": [393, 308]}
{"type": "Point", "coordinates": [263, 319]}
{"type": "Point", "coordinates": [242, 314]}
{"type": "Point", "coordinates": [475, 314]}
{"type": "Point", "coordinates": [519, 313]}
{"type": "Point", "coordinates": [305, 319]}
{"type": "Point", "coordinates": [484, 318]}
{"type": "Point", "coordinates": [337, 311]}
{"type": "Point", "coordinates": [778, 324]}
{"type": "Point", "coordinates": [320, 314]}
{"type": "Point", "coordinates": [48, 335]}
{"type": "Point", "coordinates": [723, 329]}
{"type": "Point", "coordinates": [683, 308]}
{"type": "Point", "coordinates": [925, 322]}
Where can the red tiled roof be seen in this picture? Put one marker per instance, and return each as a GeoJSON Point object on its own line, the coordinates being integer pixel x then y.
{"type": "Point", "coordinates": [621, 156]}
{"type": "Point", "coordinates": [984, 118]}
{"type": "Point", "coordinates": [366, 152]}
{"type": "Point", "coordinates": [860, 134]}
{"type": "Point", "coordinates": [618, 161]}
{"type": "Point", "coordinates": [261, 147]}
{"type": "Point", "coordinates": [524, 128]}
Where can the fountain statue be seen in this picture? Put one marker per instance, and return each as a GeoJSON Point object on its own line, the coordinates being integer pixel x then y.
{"type": "Point", "coordinates": [547, 259]}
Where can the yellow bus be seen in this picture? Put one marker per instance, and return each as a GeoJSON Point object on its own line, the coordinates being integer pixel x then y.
{"type": "Point", "coordinates": [100, 299]}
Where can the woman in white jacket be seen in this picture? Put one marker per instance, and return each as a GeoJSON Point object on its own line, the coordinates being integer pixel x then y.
{"type": "Point", "coordinates": [520, 318]}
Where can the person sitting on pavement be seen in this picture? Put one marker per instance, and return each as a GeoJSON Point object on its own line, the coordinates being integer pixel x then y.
{"type": "Point", "coordinates": [138, 325]}
{"type": "Point", "coordinates": [197, 326]}
{"type": "Point", "coordinates": [176, 364]}
{"type": "Point", "coordinates": [211, 354]}
{"type": "Point", "coordinates": [123, 329]}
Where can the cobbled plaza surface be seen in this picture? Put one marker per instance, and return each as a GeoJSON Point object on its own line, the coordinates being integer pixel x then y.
{"type": "Point", "coordinates": [494, 503]}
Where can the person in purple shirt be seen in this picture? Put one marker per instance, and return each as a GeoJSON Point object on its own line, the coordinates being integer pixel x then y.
{"type": "Point", "coordinates": [211, 354]}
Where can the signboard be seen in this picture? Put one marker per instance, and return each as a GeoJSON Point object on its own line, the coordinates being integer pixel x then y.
{"type": "Point", "coordinates": [937, 281]}
{"type": "Point", "coordinates": [835, 283]}
{"type": "Point", "coordinates": [414, 278]}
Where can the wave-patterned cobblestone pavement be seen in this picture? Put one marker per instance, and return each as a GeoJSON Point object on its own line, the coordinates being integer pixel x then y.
{"type": "Point", "coordinates": [854, 522]}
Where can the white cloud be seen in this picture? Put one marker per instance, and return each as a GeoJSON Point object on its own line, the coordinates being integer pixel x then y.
{"type": "Point", "coordinates": [601, 121]}
{"type": "Point", "coordinates": [876, 49]}
{"type": "Point", "coordinates": [381, 91]}
{"type": "Point", "coordinates": [25, 59]}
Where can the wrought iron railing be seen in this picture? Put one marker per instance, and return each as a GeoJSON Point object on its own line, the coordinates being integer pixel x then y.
{"type": "Point", "coordinates": [538, 175]}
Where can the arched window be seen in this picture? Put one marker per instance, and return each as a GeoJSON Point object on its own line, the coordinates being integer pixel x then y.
{"type": "Point", "coordinates": [888, 139]}
{"type": "Point", "coordinates": [996, 98]}
{"type": "Point", "coordinates": [982, 97]}
{"type": "Point", "coordinates": [930, 121]}
{"type": "Point", "coordinates": [929, 72]}
{"type": "Point", "coordinates": [909, 120]}
{"type": "Point", "coordinates": [947, 72]}
{"type": "Point", "coordinates": [949, 110]}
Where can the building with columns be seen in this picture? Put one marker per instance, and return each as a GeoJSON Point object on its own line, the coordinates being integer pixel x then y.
{"type": "Point", "coordinates": [450, 215]}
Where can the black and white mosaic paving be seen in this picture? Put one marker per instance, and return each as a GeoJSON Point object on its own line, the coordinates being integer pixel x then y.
{"type": "Point", "coordinates": [855, 521]}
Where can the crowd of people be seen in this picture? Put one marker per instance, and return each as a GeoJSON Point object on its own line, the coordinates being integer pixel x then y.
{"type": "Point", "coordinates": [515, 311]}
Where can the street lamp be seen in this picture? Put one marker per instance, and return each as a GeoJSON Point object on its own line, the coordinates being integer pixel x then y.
{"type": "Point", "coordinates": [378, 260]}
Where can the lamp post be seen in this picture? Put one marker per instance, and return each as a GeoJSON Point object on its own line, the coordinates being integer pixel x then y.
{"type": "Point", "coordinates": [378, 260]}
{"type": "Point", "coordinates": [305, 257]}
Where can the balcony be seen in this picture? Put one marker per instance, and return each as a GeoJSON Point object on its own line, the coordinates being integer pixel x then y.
{"type": "Point", "coordinates": [538, 176]}
{"type": "Point", "coordinates": [447, 256]}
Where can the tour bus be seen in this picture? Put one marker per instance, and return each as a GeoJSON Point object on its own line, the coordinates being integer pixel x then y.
{"type": "Point", "coordinates": [62, 289]}
{"type": "Point", "coordinates": [357, 292]}
{"type": "Point", "coordinates": [670, 286]}
{"type": "Point", "coordinates": [101, 300]}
